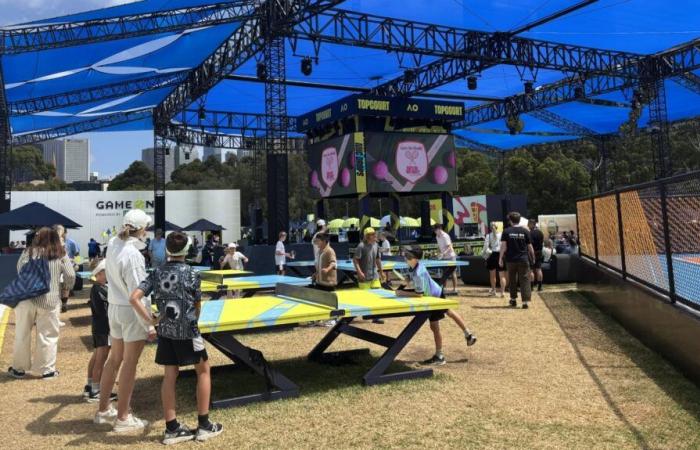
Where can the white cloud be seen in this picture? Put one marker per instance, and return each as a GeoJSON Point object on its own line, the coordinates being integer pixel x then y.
{"type": "Point", "coordinates": [14, 12]}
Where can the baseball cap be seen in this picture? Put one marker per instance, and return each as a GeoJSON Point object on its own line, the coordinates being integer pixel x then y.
{"type": "Point", "coordinates": [99, 268]}
{"type": "Point", "coordinates": [321, 223]}
{"type": "Point", "coordinates": [369, 230]}
{"type": "Point", "coordinates": [232, 245]}
{"type": "Point", "coordinates": [137, 219]}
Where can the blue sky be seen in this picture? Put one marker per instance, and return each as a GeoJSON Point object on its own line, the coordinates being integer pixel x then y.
{"type": "Point", "coordinates": [111, 152]}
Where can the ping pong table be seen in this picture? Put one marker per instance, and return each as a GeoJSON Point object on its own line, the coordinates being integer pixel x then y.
{"type": "Point", "coordinates": [251, 285]}
{"type": "Point", "coordinates": [206, 274]}
{"type": "Point", "coordinates": [220, 321]}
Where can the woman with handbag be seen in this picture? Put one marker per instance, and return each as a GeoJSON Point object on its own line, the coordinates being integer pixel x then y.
{"type": "Point", "coordinates": [42, 310]}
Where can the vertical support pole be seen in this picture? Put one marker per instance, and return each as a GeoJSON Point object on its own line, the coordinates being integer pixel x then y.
{"type": "Point", "coordinates": [364, 211]}
{"type": "Point", "coordinates": [395, 214]}
{"type": "Point", "coordinates": [160, 146]}
{"type": "Point", "coordinates": [5, 157]}
{"type": "Point", "coordinates": [658, 118]}
{"type": "Point", "coordinates": [321, 209]}
{"type": "Point", "coordinates": [667, 242]}
{"type": "Point", "coordinates": [595, 231]}
{"type": "Point", "coordinates": [621, 234]}
{"type": "Point", "coordinates": [448, 218]}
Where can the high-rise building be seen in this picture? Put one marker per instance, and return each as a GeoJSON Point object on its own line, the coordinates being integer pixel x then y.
{"type": "Point", "coordinates": [173, 159]}
{"type": "Point", "coordinates": [70, 157]}
{"type": "Point", "coordinates": [221, 154]}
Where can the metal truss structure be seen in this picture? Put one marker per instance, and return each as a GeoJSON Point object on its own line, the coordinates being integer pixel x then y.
{"type": "Point", "coordinates": [5, 159]}
{"type": "Point", "coordinates": [565, 124]}
{"type": "Point", "coordinates": [689, 81]}
{"type": "Point", "coordinates": [33, 37]}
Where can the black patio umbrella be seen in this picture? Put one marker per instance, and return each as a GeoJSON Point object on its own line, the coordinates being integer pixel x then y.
{"type": "Point", "coordinates": [204, 225]}
{"type": "Point", "coordinates": [34, 215]}
{"type": "Point", "coordinates": [169, 226]}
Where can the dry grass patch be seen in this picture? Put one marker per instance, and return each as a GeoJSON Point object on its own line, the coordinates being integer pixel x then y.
{"type": "Point", "coordinates": [560, 375]}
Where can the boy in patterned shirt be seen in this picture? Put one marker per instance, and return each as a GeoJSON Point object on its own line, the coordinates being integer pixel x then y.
{"type": "Point", "coordinates": [176, 290]}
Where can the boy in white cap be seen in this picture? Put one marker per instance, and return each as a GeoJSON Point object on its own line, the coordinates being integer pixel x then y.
{"type": "Point", "coordinates": [100, 333]}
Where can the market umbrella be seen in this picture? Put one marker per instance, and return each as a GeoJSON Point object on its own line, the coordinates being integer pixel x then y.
{"type": "Point", "coordinates": [203, 225]}
{"type": "Point", "coordinates": [350, 221]}
{"type": "Point", "coordinates": [374, 222]}
{"type": "Point", "coordinates": [409, 222]}
{"type": "Point", "coordinates": [335, 224]}
{"type": "Point", "coordinates": [34, 215]}
{"type": "Point", "coordinates": [420, 222]}
{"type": "Point", "coordinates": [169, 226]}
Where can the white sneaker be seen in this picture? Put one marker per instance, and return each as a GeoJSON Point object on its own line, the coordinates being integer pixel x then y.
{"type": "Point", "coordinates": [107, 417]}
{"type": "Point", "coordinates": [492, 293]}
{"type": "Point", "coordinates": [61, 324]}
{"type": "Point", "coordinates": [132, 423]}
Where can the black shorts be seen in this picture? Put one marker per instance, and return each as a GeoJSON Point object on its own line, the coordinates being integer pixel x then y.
{"type": "Point", "coordinates": [437, 316]}
{"type": "Point", "coordinates": [492, 262]}
{"type": "Point", "coordinates": [100, 340]}
{"type": "Point", "coordinates": [538, 261]}
{"type": "Point", "coordinates": [171, 352]}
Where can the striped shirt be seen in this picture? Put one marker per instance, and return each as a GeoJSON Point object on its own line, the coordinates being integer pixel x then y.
{"type": "Point", "coordinates": [57, 267]}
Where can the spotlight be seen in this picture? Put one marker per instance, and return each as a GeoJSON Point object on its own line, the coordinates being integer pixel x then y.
{"type": "Point", "coordinates": [202, 113]}
{"type": "Point", "coordinates": [409, 75]}
{"type": "Point", "coordinates": [471, 83]}
{"type": "Point", "coordinates": [578, 92]}
{"type": "Point", "coordinates": [262, 71]}
{"type": "Point", "coordinates": [529, 89]}
{"type": "Point", "coordinates": [306, 66]}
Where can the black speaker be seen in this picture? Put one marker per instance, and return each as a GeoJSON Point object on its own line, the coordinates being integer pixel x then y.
{"type": "Point", "coordinates": [425, 228]}
{"type": "Point", "coordinates": [257, 225]}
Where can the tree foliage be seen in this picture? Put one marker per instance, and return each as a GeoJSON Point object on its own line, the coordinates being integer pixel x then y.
{"type": "Point", "coordinates": [28, 165]}
{"type": "Point", "coordinates": [138, 177]}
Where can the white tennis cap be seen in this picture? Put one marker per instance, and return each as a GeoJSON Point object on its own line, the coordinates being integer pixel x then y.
{"type": "Point", "coordinates": [321, 223]}
{"type": "Point", "coordinates": [232, 245]}
{"type": "Point", "coordinates": [137, 219]}
{"type": "Point", "coordinates": [100, 267]}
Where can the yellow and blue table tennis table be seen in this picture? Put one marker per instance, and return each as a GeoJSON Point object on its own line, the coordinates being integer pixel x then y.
{"type": "Point", "coordinates": [250, 285]}
{"type": "Point", "coordinates": [221, 320]}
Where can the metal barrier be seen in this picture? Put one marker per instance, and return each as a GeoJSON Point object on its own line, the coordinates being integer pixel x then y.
{"type": "Point", "coordinates": [649, 233]}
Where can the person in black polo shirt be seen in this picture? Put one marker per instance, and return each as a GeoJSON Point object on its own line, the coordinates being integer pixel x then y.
{"type": "Point", "coordinates": [517, 253]}
{"type": "Point", "coordinates": [537, 238]}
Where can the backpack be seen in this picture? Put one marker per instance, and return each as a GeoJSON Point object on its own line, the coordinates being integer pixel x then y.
{"type": "Point", "coordinates": [34, 279]}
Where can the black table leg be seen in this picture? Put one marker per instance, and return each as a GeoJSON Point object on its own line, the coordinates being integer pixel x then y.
{"type": "Point", "coordinates": [278, 386]}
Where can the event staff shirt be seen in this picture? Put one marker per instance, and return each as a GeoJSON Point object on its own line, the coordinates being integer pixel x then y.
{"type": "Point", "coordinates": [157, 248]}
{"type": "Point", "coordinates": [517, 240]}
{"type": "Point", "coordinates": [367, 255]}
{"type": "Point", "coordinates": [537, 238]}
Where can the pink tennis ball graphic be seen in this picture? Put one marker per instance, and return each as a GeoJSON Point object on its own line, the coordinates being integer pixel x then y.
{"type": "Point", "coordinates": [451, 159]}
{"type": "Point", "coordinates": [314, 179]}
{"type": "Point", "coordinates": [345, 177]}
{"type": "Point", "coordinates": [351, 160]}
{"type": "Point", "coordinates": [380, 170]}
{"type": "Point", "coordinates": [440, 175]}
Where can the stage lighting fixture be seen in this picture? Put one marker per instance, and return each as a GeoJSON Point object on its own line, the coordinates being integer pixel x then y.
{"type": "Point", "coordinates": [471, 83]}
{"type": "Point", "coordinates": [202, 114]}
{"type": "Point", "coordinates": [306, 66]}
{"type": "Point", "coordinates": [409, 75]}
{"type": "Point", "coordinates": [578, 92]}
{"type": "Point", "coordinates": [529, 87]}
{"type": "Point", "coordinates": [262, 71]}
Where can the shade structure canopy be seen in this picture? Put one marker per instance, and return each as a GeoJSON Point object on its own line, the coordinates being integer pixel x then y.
{"type": "Point", "coordinates": [169, 226]}
{"type": "Point", "coordinates": [34, 215]}
{"type": "Point", "coordinates": [336, 224]}
{"type": "Point", "coordinates": [203, 225]}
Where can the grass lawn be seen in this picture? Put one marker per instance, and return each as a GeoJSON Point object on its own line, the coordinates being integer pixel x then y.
{"type": "Point", "coordinates": [560, 375]}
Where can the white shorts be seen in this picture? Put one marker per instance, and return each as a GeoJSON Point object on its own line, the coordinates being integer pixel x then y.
{"type": "Point", "coordinates": [124, 324]}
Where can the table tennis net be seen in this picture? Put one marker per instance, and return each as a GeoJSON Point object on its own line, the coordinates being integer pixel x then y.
{"type": "Point", "coordinates": [308, 295]}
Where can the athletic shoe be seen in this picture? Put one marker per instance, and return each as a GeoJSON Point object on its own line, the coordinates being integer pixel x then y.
{"type": "Point", "coordinates": [132, 423]}
{"type": "Point", "coordinates": [50, 375]}
{"type": "Point", "coordinates": [94, 397]}
{"type": "Point", "coordinates": [213, 430]}
{"type": "Point", "coordinates": [182, 434]}
{"type": "Point", "coordinates": [539, 288]}
{"type": "Point", "coordinates": [17, 374]}
{"type": "Point", "coordinates": [86, 391]}
{"type": "Point", "coordinates": [471, 339]}
{"type": "Point", "coordinates": [501, 295]}
{"type": "Point", "coordinates": [492, 293]}
{"type": "Point", "coordinates": [513, 303]}
{"type": "Point", "coordinates": [61, 324]}
{"type": "Point", "coordinates": [436, 360]}
{"type": "Point", "coordinates": [107, 417]}
{"type": "Point", "coordinates": [329, 323]}
{"type": "Point", "coordinates": [525, 306]}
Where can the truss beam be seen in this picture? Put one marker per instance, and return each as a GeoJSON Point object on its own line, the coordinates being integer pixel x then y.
{"type": "Point", "coordinates": [240, 123]}
{"type": "Point", "coordinates": [477, 146]}
{"type": "Point", "coordinates": [33, 37]}
{"type": "Point", "coordinates": [689, 81]}
{"type": "Point", "coordinates": [563, 123]}
{"type": "Point", "coordinates": [80, 127]}
{"type": "Point", "coordinates": [185, 135]}
{"type": "Point", "coordinates": [5, 159]}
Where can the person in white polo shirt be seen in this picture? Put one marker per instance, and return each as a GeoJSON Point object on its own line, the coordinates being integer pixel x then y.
{"type": "Point", "coordinates": [125, 267]}
{"type": "Point", "coordinates": [445, 250]}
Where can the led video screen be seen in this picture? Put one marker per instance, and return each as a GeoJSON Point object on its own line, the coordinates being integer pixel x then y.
{"type": "Point", "coordinates": [333, 169]}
